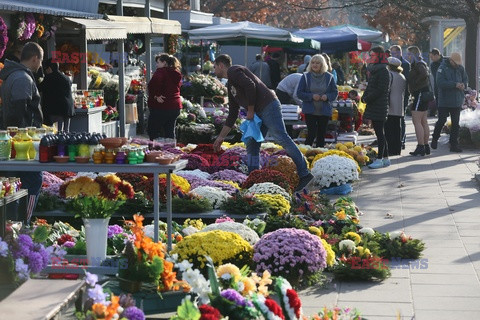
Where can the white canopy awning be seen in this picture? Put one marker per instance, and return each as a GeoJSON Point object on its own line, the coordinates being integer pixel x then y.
{"type": "Point", "coordinates": [144, 25]}
{"type": "Point", "coordinates": [17, 5]}
{"type": "Point", "coordinates": [99, 29]}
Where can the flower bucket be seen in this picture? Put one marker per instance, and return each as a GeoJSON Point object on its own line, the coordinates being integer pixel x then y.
{"type": "Point", "coordinates": [96, 237]}
{"type": "Point", "coordinates": [129, 286]}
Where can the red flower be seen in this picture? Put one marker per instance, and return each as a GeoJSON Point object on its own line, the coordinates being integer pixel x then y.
{"type": "Point", "coordinates": [294, 301]}
{"type": "Point", "coordinates": [274, 307]}
{"type": "Point", "coordinates": [64, 238]}
{"type": "Point", "coordinates": [209, 313]}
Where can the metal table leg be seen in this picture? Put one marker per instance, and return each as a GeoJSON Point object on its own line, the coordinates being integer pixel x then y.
{"type": "Point", "coordinates": [169, 211]}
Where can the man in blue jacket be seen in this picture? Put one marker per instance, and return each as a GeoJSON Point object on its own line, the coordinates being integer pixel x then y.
{"type": "Point", "coordinates": [451, 82]}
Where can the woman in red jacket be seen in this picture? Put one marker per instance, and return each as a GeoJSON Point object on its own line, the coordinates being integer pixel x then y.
{"type": "Point", "coordinates": [164, 97]}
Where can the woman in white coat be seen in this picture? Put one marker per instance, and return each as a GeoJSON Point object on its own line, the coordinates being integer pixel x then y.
{"type": "Point", "coordinates": [393, 129]}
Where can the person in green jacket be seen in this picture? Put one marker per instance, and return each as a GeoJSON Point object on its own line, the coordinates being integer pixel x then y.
{"type": "Point", "coordinates": [452, 80]}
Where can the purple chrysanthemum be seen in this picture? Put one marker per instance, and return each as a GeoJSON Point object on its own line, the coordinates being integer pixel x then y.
{"type": "Point", "coordinates": [133, 313]}
{"type": "Point", "coordinates": [35, 262]}
{"type": "Point", "coordinates": [236, 297]}
{"type": "Point", "coordinates": [230, 175]}
{"type": "Point", "coordinates": [23, 247]}
{"type": "Point", "coordinates": [91, 279]}
{"type": "Point", "coordinates": [113, 230]}
{"type": "Point", "coordinates": [97, 294]}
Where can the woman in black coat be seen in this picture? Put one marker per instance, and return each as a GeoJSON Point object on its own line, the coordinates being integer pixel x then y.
{"type": "Point", "coordinates": [376, 96]}
{"type": "Point", "coordinates": [57, 99]}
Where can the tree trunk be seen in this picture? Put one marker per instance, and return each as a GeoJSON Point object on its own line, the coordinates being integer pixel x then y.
{"type": "Point", "coordinates": [471, 51]}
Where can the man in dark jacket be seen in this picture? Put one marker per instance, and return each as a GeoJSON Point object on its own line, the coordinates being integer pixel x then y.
{"type": "Point", "coordinates": [275, 73]}
{"type": "Point", "coordinates": [21, 108]}
{"type": "Point", "coordinates": [451, 81]}
{"type": "Point", "coordinates": [396, 52]}
{"type": "Point", "coordinates": [57, 100]}
{"type": "Point", "coordinates": [246, 90]}
{"type": "Point", "coordinates": [436, 59]}
{"type": "Point", "coordinates": [377, 96]}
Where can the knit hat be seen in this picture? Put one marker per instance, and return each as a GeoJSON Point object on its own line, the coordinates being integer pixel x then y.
{"type": "Point", "coordinates": [394, 61]}
{"type": "Point", "coordinates": [456, 57]}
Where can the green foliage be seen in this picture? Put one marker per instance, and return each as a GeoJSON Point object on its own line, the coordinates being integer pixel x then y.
{"type": "Point", "coordinates": [40, 235]}
{"type": "Point", "coordinates": [401, 247]}
{"type": "Point", "coordinates": [144, 271]}
{"type": "Point", "coordinates": [364, 269]}
{"type": "Point", "coordinates": [94, 207]}
{"type": "Point", "coordinates": [187, 311]}
{"type": "Point", "coordinates": [244, 204]}
{"type": "Point", "coordinates": [191, 204]}
{"type": "Point", "coordinates": [79, 248]}
{"type": "Point", "coordinates": [287, 221]}
{"type": "Point", "coordinates": [138, 204]}
{"type": "Point", "coordinates": [48, 202]}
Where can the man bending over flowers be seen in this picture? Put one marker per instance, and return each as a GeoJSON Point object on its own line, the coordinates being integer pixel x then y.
{"type": "Point", "coordinates": [245, 89]}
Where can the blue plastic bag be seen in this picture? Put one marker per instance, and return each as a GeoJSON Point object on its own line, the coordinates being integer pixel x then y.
{"type": "Point", "coordinates": [251, 129]}
{"type": "Point", "coordinates": [341, 190]}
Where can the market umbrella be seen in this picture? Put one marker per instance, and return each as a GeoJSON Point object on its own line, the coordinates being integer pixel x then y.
{"type": "Point", "coordinates": [332, 40]}
{"type": "Point", "coordinates": [365, 34]}
{"type": "Point", "coordinates": [246, 32]}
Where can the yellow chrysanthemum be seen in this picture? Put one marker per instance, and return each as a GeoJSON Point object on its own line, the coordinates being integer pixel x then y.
{"type": "Point", "coordinates": [275, 202]}
{"type": "Point", "coordinates": [249, 286]}
{"type": "Point", "coordinates": [232, 145]}
{"type": "Point", "coordinates": [230, 269]}
{"type": "Point", "coordinates": [91, 189]}
{"type": "Point", "coordinates": [233, 184]}
{"type": "Point", "coordinates": [181, 182]}
{"type": "Point", "coordinates": [353, 236]}
{"type": "Point", "coordinates": [341, 215]}
{"type": "Point", "coordinates": [316, 231]}
{"type": "Point", "coordinates": [113, 179]}
{"type": "Point", "coordinates": [83, 180]}
{"type": "Point", "coordinates": [197, 223]}
{"type": "Point", "coordinates": [330, 252]}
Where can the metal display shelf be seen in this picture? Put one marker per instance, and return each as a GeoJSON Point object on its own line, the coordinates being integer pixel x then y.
{"type": "Point", "coordinates": [153, 168]}
{"type": "Point", "coordinates": [3, 206]}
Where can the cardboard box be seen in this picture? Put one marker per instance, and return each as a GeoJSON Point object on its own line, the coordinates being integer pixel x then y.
{"type": "Point", "coordinates": [131, 113]}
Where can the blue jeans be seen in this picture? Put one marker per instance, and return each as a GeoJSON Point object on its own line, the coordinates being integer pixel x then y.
{"type": "Point", "coordinates": [272, 121]}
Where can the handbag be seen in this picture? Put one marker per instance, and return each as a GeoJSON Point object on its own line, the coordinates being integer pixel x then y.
{"type": "Point", "coordinates": [427, 96]}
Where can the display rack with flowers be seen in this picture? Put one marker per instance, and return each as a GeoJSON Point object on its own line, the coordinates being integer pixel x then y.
{"type": "Point", "coordinates": [243, 203]}
{"type": "Point", "coordinates": [198, 85]}
{"type": "Point", "coordinates": [242, 230]}
{"type": "Point", "coordinates": [294, 254]}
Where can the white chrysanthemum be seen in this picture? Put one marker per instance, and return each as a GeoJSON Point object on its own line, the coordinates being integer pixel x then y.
{"type": "Point", "coordinates": [198, 284]}
{"type": "Point", "coordinates": [196, 173]}
{"type": "Point", "coordinates": [395, 234]}
{"type": "Point", "coordinates": [184, 265]}
{"type": "Point", "coordinates": [243, 231]}
{"type": "Point", "coordinates": [334, 170]}
{"type": "Point", "coordinates": [347, 244]}
{"type": "Point", "coordinates": [368, 231]}
{"type": "Point", "coordinates": [269, 188]}
{"type": "Point", "coordinates": [215, 195]}
{"type": "Point", "coordinates": [188, 231]}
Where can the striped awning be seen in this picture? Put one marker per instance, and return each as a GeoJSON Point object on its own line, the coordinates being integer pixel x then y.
{"type": "Point", "coordinates": [16, 6]}
{"type": "Point", "coordinates": [144, 25]}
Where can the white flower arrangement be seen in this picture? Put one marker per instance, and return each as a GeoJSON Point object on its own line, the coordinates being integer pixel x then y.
{"type": "Point", "coordinates": [367, 231]}
{"type": "Point", "coordinates": [196, 173]}
{"type": "Point", "coordinates": [199, 285]}
{"type": "Point", "coordinates": [347, 245]}
{"type": "Point", "coordinates": [188, 231]}
{"type": "Point", "coordinates": [215, 195]}
{"type": "Point", "coordinates": [270, 145]}
{"type": "Point", "coordinates": [396, 234]}
{"type": "Point", "coordinates": [243, 231]}
{"type": "Point", "coordinates": [334, 170]}
{"type": "Point", "coordinates": [269, 188]}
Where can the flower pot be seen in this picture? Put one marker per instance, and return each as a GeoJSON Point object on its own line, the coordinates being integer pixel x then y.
{"type": "Point", "coordinates": [96, 237]}
{"type": "Point", "coordinates": [128, 285]}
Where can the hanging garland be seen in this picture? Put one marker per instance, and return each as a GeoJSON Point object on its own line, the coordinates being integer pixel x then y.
{"type": "Point", "coordinates": [172, 43]}
{"type": "Point", "coordinates": [26, 27]}
{"type": "Point", "coordinates": [3, 37]}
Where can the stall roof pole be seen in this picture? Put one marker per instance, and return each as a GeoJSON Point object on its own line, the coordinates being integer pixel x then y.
{"type": "Point", "coordinates": [121, 75]}
{"type": "Point", "coordinates": [84, 64]}
{"type": "Point", "coordinates": [148, 46]}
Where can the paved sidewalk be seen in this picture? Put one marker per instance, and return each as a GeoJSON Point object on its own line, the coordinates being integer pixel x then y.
{"type": "Point", "coordinates": [434, 198]}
